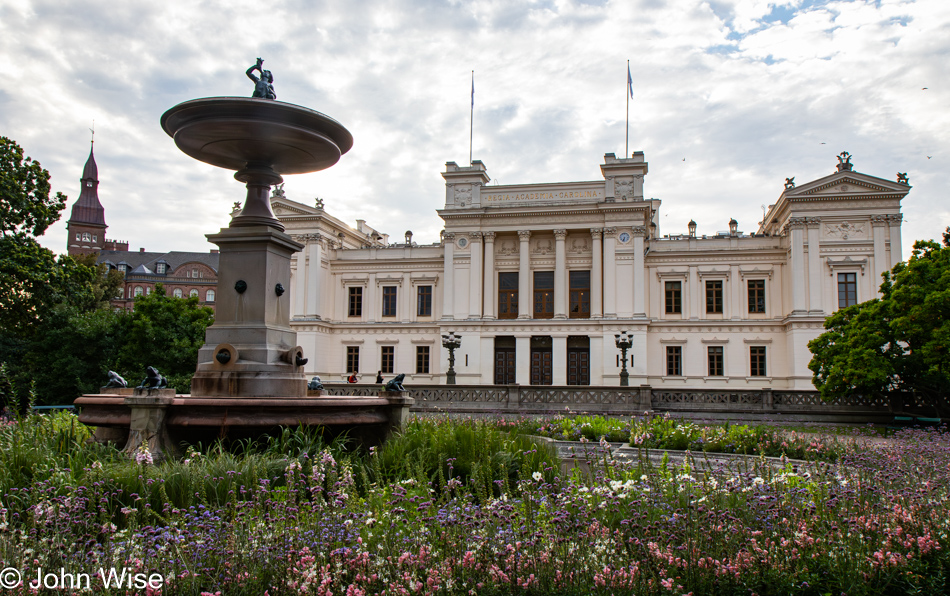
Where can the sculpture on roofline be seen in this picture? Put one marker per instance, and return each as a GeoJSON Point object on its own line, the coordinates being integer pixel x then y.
{"type": "Point", "coordinates": [395, 384]}
{"type": "Point", "coordinates": [790, 183]}
{"type": "Point", "coordinates": [902, 178]}
{"type": "Point", "coordinates": [263, 86]}
{"type": "Point", "coordinates": [844, 162]}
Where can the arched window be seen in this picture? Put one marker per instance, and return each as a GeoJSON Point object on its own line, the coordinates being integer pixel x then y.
{"type": "Point", "coordinates": [138, 291]}
{"type": "Point", "coordinates": [86, 237]}
{"type": "Point", "coordinates": [209, 296]}
{"type": "Point", "coordinates": [177, 293]}
{"type": "Point", "coordinates": [148, 290]}
{"type": "Point", "coordinates": [193, 293]}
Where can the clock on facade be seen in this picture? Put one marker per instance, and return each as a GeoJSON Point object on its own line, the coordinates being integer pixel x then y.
{"type": "Point", "coordinates": [624, 237]}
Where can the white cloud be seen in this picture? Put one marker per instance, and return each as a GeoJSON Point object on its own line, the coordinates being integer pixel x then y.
{"type": "Point", "coordinates": [745, 91]}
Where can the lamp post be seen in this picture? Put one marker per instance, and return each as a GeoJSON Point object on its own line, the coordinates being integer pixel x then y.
{"type": "Point", "coordinates": [624, 341]}
{"type": "Point", "coordinates": [451, 341]}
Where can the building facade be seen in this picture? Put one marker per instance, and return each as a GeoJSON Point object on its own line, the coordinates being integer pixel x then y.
{"type": "Point", "coordinates": [538, 279]}
{"type": "Point", "coordinates": [183, 274]}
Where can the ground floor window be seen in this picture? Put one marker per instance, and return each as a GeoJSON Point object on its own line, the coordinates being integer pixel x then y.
{"type": "Point", "coordinates": [542, 372]}
{"type": "Point", "coordinates": [674, 361]}
{"type": "Point", "coordinates": [352, 359]}
{"type": "Point", "coordinates": [757, 361]}
{"type": "Point", "coordinates": [387, 358]}
{"type": "Point", "coordinates": [714, 354]}
{"type": "Point", "coordinates": [422, 360]}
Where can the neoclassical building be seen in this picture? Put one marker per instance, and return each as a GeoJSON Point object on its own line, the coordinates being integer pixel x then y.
{"type": "Point", "coordinates": [538, 279]}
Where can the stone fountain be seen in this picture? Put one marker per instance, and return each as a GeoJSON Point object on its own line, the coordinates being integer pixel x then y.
{"type": "Point", "coordinates": [250, 375]}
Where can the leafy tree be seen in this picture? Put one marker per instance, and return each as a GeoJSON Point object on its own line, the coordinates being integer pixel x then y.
{"type": "Point", "coordinates": [899, 342]}
{"type": "Point", "coordinates": [25, 204]}
{"type": "Point", "coordinates": [164, 332]}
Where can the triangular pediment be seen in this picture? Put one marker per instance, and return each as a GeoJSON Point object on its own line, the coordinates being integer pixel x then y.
{"type": "Point", "coordinates": [847, 183]}
{"type": "Point", "coordinates": [284, 207]}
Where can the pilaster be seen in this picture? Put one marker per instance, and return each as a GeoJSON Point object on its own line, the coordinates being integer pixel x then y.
{"type": "Point", "coordinates": [881, 264]}
{"type": "Point", "coordinates": [448, 288]}
{"type": "Point", "coordinates": [524, 277]}
{"type": "Point", "coordinates": [597, 274]}
{"type": "Point", "coordinates": [560, 277]}
{"type": "Point", "coordinates": [796, 229]}
{"type": "Point", "coordinates": [475, 276]}
{"type": "Point", "coordinates": [814, 265]}
{"type": "Point", "coordinates": [610, 273]}
{"type": "Point", "coordinates": [488, 304]}
{"type": "Point", "coordinates": [639, 272]}
{"type": "Point", "coordinates": [895, 234]}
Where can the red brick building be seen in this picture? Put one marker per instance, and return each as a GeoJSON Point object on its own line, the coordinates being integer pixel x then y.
{"type": "Point", "coordinates": [183, 274]}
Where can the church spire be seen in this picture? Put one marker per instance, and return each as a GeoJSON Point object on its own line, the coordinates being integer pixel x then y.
{"type": "Point", "coordinates": [87, 209]}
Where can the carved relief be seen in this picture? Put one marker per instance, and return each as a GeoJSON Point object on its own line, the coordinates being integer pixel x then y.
{"type": "Point", "coordinates": [640, 231]}
{"type": "Point", "coordinates": [463, 195]}
{"type": "Point", "coordinates": [610, 232]}
{"type": "Point", "coordinates": [508, 247]}
{"type": "Point", "coordinates": [560, 234]}
{"type": "Point", "coordinates": [623, 189]}
{"type": "Point", "coordinates": [489, 236]}
{"type": "Point", "coordinates": [845, 231]}
{"type": "Point", "coordinates": [579, 245]}
{"type": "Point", "coordinates": [524, 235]}
{"type": "Point", "coordinates": [543, 246]}
{"type": "Point", "coordinates": [596, 233]}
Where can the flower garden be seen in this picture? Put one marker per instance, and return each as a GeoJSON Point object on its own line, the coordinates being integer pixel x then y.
{"type": "Point", "coordinates": [470, 507]}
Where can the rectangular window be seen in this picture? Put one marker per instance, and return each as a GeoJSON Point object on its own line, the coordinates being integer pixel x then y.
{"type": "Point", "coordinates": [543, 294]}
{"type": "Point", "coordinates": [715, 361]}
{"type": "Point", "coordinates": [757, 295]}
{"type": "Point", "coordinates": [674, 297]}
{"type": "Point", "coordinates": [580, 294]}
{"type": "Point", "coordinates": [160, 268]}
{"type": "Point", "coordinates": [389, 301]}
{"type": "Point", "coordinates": [674, 361]}
{"type": "Point", "coordinates": [352, 359]}
{"type": "Point", "coordinates": [387, 359]}
{"type": "Point", "coordinates": [356, 302]}
{"type": "Point", "coordinates": [757, 361]}
{"type": "Point", "coordinates": [847, 289]}
{"type": "Point", "coordinates": [424, 302]}
{"type": "Point", "coordinates": [422, 360]}
{"type": "Point", "coordinates": [714, 297]}
{"type": "Point", "coordinates": [508, 295]}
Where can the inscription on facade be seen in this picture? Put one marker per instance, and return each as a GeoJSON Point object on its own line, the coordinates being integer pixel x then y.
{"type": "Point", "coordinates": [543, 195]}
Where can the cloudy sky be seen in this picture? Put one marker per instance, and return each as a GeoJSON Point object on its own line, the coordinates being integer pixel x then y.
{"type": "Point", "coordinates": [730, 97]}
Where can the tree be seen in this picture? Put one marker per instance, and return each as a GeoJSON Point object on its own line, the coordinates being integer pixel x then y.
{"type": "Point", "coordinates": [25, 204]}
{"type": "Point", "coordinates": [166, 333]}
{"type": "Point", "coordinates": [898, 342]}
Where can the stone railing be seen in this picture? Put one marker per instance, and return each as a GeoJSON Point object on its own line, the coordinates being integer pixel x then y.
{"type": "Point", "coordinates": [534, 399]}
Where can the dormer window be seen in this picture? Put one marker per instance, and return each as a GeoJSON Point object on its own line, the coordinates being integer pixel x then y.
{"type": "Point", "coordinates": [194, 273]}
{"type": "Point", "coordinates": [122, 267]}
{"type": "Point", "coordinates": [160, 268]}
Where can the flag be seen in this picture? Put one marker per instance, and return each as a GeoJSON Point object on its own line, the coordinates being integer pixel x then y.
{"type": "Point", "coordinates": [629, 83]}
{"type": "Point", "coordinates": [473, 88]}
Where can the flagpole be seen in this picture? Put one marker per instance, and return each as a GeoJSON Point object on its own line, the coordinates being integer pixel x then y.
{"type": "Point", "coordinates": [626, 147]}
{"type": "Point", "coordinates": [471, 121]}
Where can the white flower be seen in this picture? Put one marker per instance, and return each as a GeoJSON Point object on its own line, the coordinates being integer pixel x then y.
{"type": "Point", "coordinates": [758, 480]}
{"type": "Point", "coordinates": [537, 476]}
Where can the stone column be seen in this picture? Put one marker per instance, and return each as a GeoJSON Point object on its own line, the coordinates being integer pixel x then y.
{"type": "Point", "coordinates": [881, 263]}
{"type": "Point", "coordinates": [814, 264]}
{"type": "Point", "coordinates": [896, 250]}
{"type": "Point", "coordinates": [315, 281]}
{"type": "Point", "coordinates": [560, 276]}
{"type": "Point", "coordinates": [597, 274]}
{"type": "Point", "coordinates": [448, 276]}
{"type": "Point", "coordinates": [639, 272]}
{"type": "Point", "coordinates": [796, 228]}
{"type": "Point", "coordinates": [300, 281]}
{"type": "Point", "coordinates": [523, 360]}
{"type": "Point", "coordinates": [610, 273]}
{"type": "Point", "coordinates": [558, 360]}
{"type": "Point", "coordinates": [524, 281]}
{"type": "Point", "coordinates": [371, 309]}
{"type": "Point", "coordinates": [490, 300]}
{"type": "Point", "coordinates": [475, 279]}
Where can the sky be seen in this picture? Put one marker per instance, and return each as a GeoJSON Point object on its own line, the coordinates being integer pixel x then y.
{"type": "Point", "coordinates": [730, 98]}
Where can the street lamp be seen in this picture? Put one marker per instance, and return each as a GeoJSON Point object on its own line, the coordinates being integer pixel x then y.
{"type": "Point", "coordinates": [451, 341]}
{"type": "Point", "coordinates": [624, 341]}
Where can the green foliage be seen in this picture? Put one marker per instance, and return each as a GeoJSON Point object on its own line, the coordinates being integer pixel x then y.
{"type": "Point", "coordinates": [165, 333]}
{"type": "Point", "coordinates": [900, 342]}
{"type": "Point", "coordinates": [25, 204]}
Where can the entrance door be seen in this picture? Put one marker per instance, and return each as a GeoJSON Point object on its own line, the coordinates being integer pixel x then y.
{"type": "Point", "coordinates": [578, 361]}
{"type": "Point", "coordinates": [541, 360]}
{"type": "Point", "coordinates": [504, 361]}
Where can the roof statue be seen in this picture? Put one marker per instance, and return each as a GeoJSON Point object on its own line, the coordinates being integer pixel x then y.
{"type": "Point", "coordinates": [902, 178]}
{"type": "Point", "coordinates": [790, 183]}
{"type": "Point", "coordinates": [844, 162]}
{"type": "Point", "coordinates": [263, 86]}
{"type": "Point", "coordinates": [278, 192]}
